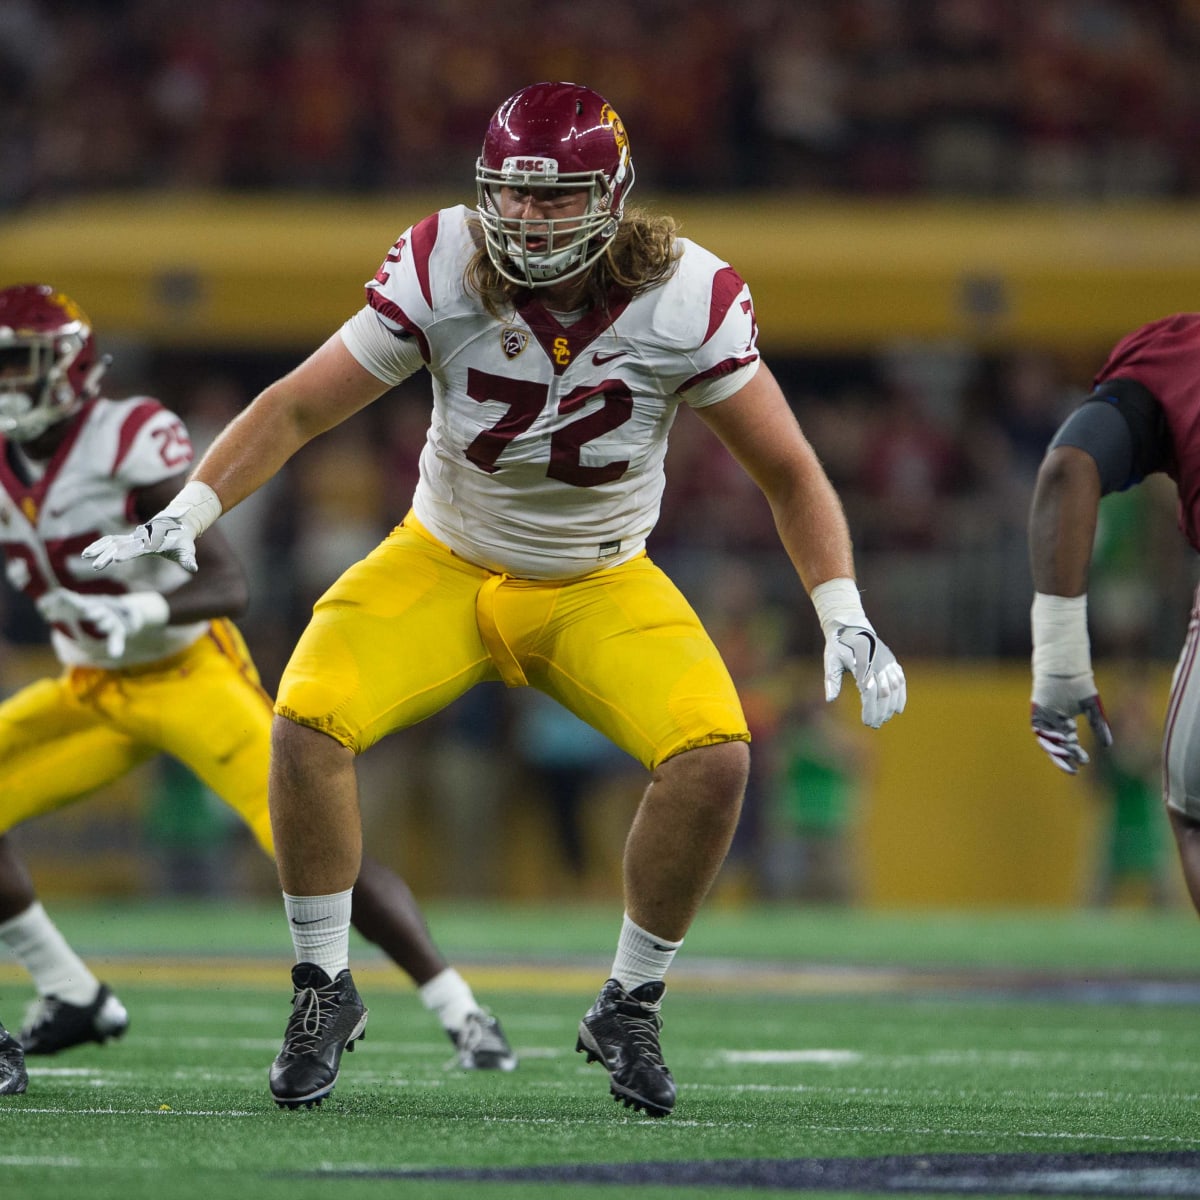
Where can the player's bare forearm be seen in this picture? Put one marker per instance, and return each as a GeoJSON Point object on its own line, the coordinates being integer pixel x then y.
{"type": "Point", "coordinates": [762, 433]}
{"type": "Point", "coordinates": [1062, 522]}
{"type": "Point", "coordinates": [812, 526]}
{"type": "Point", "coordinates": [323, 391]}
{"type": "Point", "coordinates": [251, 449]}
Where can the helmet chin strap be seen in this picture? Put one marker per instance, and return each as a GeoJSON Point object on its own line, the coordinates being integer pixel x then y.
{"type": "Point", "coordinates": [548, 268]}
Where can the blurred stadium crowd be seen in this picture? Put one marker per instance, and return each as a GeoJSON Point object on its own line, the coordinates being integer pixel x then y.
{"type": "Point", "coordinates": [1061, 98]}
{"type": "Point", "coordinates": [932, 447]}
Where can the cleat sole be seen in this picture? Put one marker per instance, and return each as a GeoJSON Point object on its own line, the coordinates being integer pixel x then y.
{"type": "Point", "coordinates": [639, 1103]}
{"type": "Point", "coordinates": [315, 1102]}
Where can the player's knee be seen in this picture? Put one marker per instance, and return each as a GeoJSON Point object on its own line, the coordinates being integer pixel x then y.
{"type": "Point", "coordinates": [730, 764]}
{"type": "Point", "coordinates": [713, 776]}
{"type": "Point", "coordinates": [298, 752]}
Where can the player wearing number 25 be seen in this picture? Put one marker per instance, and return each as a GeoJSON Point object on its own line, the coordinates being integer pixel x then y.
{"type": "Point", "coordinates": [562, 334]}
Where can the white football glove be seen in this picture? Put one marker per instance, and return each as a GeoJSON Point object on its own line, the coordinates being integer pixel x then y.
{"type": "Point", "coordinates": [163, 535]}
{"type": "Point", "coordinates": [880, 678]}
{"type": "Point", "coordinates": [117, 618]}
{"type": "Point", "coordinates": [1063, 684]}
{"type": "Point", "coordinates": [171, 533]}
{"type": "Point", "coordinates": [851, 644]}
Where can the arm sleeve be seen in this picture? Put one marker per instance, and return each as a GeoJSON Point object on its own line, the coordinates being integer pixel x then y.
{"type": "Point", "coordinates": [1123, 427]}
{"type": "Point", "coordinates": [388, 353]}
{"type": "Point", "coordinates": [721, 387]}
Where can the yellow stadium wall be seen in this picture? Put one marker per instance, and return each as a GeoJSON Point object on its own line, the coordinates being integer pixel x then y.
{"type": "Point", "coordinates": [960, 810]}
{"type": "Point", "coordinates": [284, 272]}
{"type": "Point", "coordinates": [966, 810]}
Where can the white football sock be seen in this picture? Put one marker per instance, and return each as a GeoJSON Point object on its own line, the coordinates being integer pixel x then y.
{"type": "Point", "coordinates": [43, 951]}
{"type": "Point", "coordinates": [449, 996]}
{"type": "Point", "coordinates": [320, 928]}
{"type": "Point", "coordinates": [641, 957]}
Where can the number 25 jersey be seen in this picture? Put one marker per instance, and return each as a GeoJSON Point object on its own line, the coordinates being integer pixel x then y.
{"type": "Point", "coordinates": [111, 449]}
{"type": "Point", "coordinates": [544, 455]}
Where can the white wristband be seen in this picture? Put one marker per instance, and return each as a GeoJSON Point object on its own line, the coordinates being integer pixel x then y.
{"type": "Point", "coordinates": [1060, 635]}
{"type": "Point", "coordinates": [197, 506]}
{"type": "Point", "coordinates": [837, 602]}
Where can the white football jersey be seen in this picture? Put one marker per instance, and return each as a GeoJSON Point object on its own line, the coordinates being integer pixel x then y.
{"type": "Point", "coordinates": [112, 448]}
{"type": "Point", "coordinates": [544, 457]}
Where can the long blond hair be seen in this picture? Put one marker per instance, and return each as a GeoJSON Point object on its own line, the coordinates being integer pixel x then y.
{"type": "Point", "coordinates": [641, 254]}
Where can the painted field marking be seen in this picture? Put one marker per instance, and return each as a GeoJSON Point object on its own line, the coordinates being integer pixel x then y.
{"type": "Point", "coordinates": [835, 1058]}
{"type": "Point", "coordinates": [17, 1160]}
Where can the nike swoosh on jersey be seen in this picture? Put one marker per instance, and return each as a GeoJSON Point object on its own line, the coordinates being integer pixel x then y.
{"type": "Point", "coordinates": [598, 360]}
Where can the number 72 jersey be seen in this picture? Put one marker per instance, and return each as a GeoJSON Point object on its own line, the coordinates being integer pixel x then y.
{"type": "Point", "coordinates": [544, 456]}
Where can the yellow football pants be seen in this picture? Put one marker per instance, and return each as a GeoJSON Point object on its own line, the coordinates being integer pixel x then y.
{"type": "Point", "coordinates": [411, 627]}
{"type": "Point", "coordinates": [61, 739]}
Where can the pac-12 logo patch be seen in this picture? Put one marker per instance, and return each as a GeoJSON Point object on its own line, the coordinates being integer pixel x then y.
{"type": "Point", "coordinates": [513, 341]}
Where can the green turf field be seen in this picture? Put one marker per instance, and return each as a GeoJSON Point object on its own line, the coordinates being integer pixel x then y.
{"type": "Point", "coordinates": [830, 1053]}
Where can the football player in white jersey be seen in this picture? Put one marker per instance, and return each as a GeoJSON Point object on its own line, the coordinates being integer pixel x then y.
{"type": "Point", "coordinates": [151, 663]}
{"type": "Point", "coordinates": [562, 335]}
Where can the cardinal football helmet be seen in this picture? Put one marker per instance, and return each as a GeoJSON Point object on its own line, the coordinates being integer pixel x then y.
{"type": "Point", "coordinates": [553, 136]}
{"type": "Point", "coordinates": [48, 363]}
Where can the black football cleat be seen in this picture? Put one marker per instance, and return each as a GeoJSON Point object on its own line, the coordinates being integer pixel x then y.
{"type": "Point", "coordinates": [52, 1024]}
{"type": "Point", "coordinates": [621, 1031]}
{"type": "Point", "coordinates": [481, 1045]}
{"type": "Point", "coordinates": [13, 1077]}
{"type": "Point", "coordinates": [328, 1017]}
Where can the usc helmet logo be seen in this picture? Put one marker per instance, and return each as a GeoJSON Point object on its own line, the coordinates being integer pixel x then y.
{"type": "Point", "coordinates": [609, 118]}
{"type": "Point", "coordinates": [70, 308]}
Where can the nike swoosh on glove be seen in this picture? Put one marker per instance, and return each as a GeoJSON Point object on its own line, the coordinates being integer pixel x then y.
{"type": "Point", "coordinates": [879, 676]}
{"type": "Point", "coordinates": [1057, 700]}
{"type": "Point", "coordinates": [163, 535]}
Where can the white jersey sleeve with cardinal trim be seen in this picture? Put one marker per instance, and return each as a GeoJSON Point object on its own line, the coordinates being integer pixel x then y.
{"type": "Point", "coordinates": [112, 448]}
{"type": "Point", "coordinates": [544, 456]}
